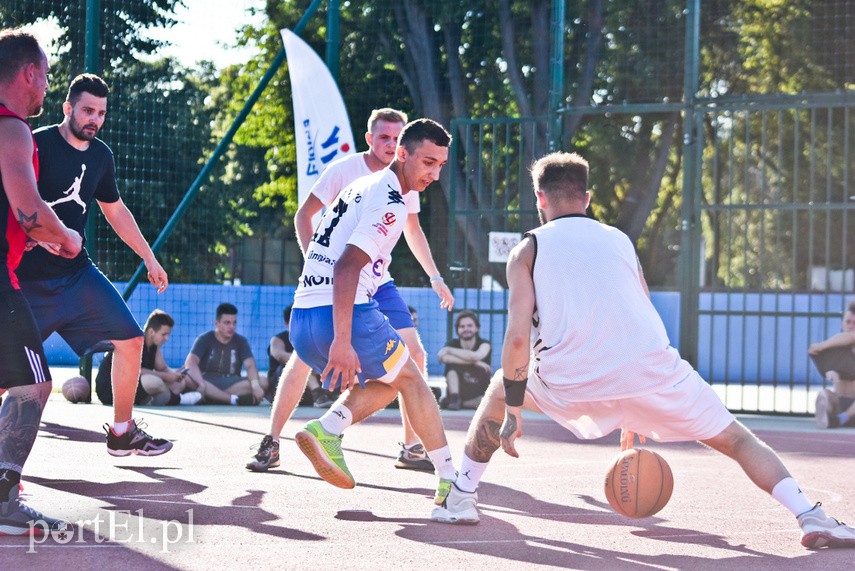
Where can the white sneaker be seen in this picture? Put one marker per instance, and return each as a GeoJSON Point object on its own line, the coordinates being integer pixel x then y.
{"type": "Point", "coordinates": [192, 397]}
{"type": "Point", "coordinates": [819, 530]}
{"type": "Point", "coordinates": [459, 508]}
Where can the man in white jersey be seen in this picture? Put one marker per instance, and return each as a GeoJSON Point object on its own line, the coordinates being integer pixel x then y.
{"type": "Point", "coordinates": [602, 359]}
{"type": "Point", "coordinates": [384, 127]}
{"type": "Point", "coordinates": [336, 325]}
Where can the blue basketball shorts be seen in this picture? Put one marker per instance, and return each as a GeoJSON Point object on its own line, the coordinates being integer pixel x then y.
{"type": "Point", "coordinates": [83, 307]}
{"type": "Point", "coordinates": [382, 354]}
{"type": "Point", "coordinates": [392, 305]}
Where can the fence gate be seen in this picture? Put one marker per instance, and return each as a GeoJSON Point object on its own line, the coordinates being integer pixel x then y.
{"type": "Point", "coordinates": [775, 215]}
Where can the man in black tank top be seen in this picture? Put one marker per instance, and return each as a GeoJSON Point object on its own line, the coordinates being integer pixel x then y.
{"type": "Point", "coordinates": [25, 380]}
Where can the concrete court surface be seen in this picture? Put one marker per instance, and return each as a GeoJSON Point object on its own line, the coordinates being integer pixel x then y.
{"type": "Point", "coordinates": [198, 508]}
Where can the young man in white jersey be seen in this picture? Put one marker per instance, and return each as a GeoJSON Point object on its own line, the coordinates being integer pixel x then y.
{"type": "Point", "coordinates": [337, 327]}
{"type": "Point", "coordinates": [602, 359]}
{"type": "Point", "coordinates": [384, 127]}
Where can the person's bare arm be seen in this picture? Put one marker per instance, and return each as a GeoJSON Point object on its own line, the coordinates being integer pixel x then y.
{"type": "Point", "coordinates": [516, 350]}
{"type": "Point", "coordinates": [458, 356]}
{"type": "Point", "coordinates": [417, 241]}
{"type": "Point", "coordinates": [303, 220]}
{"type": "Point", "coordinates": [35, 217]}
{"type": "Point", "coordinates": [278, 350]}
{"type": "Point", "coordinates": [842, 339]}
{"type": "Point", "coordinates": [125, 226]}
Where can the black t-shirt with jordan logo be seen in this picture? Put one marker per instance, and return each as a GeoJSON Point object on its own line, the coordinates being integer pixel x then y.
{"type": "Point", "coordinates": [68, 182]}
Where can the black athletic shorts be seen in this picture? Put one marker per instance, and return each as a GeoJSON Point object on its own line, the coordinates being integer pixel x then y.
{"type": "Point", "coordinates": [22, 357]}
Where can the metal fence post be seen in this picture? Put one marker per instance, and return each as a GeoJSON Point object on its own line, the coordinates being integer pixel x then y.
{"type": "Point", "coordinates": [556, 76]}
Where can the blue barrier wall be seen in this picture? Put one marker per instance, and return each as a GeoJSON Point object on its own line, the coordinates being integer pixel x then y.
{"type": "Point", "coordinates": [743, 337]}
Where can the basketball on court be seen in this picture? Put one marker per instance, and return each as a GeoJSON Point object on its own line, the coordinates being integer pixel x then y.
{"type": "Point", "coordinates": [76, 389]}
{"type": "Point", "coordinates": [638, 483]}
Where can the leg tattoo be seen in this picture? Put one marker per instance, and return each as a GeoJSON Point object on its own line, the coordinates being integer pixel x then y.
{"type": "Point", "coordinates": [20, 417]}
{"type": "Point", "coordinates": [485, 441]}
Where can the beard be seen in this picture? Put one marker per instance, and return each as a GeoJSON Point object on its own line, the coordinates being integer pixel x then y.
{"type": "Point", "coordinates": [541, 216]}
{"type": "Point", "coordinates": [78, 130]}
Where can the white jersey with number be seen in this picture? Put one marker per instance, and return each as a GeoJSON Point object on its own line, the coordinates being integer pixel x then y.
{"type": "Point", "coordinates": [340, 173]}
{"type": "Point", "coordinates": [369, 214]}
{"type": "Point", "coordinates": [595, 335]}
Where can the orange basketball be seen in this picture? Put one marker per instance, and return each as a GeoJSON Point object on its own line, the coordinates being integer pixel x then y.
{"type": "Point", "coordinates": [639, 483]}
{"type": "Point", "coordinates": [76, 389]}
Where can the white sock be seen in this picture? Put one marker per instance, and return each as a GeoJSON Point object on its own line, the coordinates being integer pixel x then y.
{"type": "Point", "coordinates": [442, 464]}
{"type": "Point", "coordinates": [336, 419]}
{"type": "Point", "coordinates": [470, 474]}
{"type": "Point", "coordinates": [789, 495]}
{"type": "Point", "coordinates": [233, 399]}
{"type": "Point", "coordinates": [190, 398]}
{"type": "Point", "coordinates": [119, 428]}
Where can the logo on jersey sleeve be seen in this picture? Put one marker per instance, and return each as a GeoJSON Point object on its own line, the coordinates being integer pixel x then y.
{"type": "Point", "coordinates": [389, 218]}
{"type": "Point", "coordinates": [394, 196]}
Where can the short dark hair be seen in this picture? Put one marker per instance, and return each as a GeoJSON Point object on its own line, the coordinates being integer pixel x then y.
{"type": "Point", "coordinates": [286, 314]}
{"type": "Point", "coordinates": [851, 308]}
{"type": "Point", "coordinates": [157, 319]}
{"type": "Point", "coordinates": [386, 114]}
{"type": "Point", "coordinates": [17, 49]}
{"type": "Point", "coordinates": [86, 83]}
{"type": "Point", "coordinates": [561, 174]}
{"type": "Point", "coordinates": [416, 132]}
{"type": "Point", "coordinates": [463, 315]}
{"type": "Point", "coordinates": [225, 309]}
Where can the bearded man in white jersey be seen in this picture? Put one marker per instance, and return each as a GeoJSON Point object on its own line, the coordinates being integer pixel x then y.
{"type": "Point", "coordinates": [384, 127]}
{"type": "Point", "coordinates": [585, 346]}
{"type": "Point", "coordinates": [337, 327]}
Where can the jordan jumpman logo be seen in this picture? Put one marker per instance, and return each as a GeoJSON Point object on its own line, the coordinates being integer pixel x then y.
{"type": "Point", "coordinates": [73, 192]}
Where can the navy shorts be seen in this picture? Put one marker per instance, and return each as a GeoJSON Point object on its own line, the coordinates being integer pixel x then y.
{"type": "Point", "coordinates": [380, 349]}
{"type": "Point", "coordinates": [22, 357]}
{"type": "Point", "coordinates": [392, 305]}
{"type": "Point", "coordinates": [84, 308]}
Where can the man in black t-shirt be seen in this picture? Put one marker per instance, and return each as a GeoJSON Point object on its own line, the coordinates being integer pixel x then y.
{"type": "Point", "coordinates": [216, 360]}
{"type": "Point", "coordinates": [71, 296]}
{"type": "Point", "coordinates": [467, 364]}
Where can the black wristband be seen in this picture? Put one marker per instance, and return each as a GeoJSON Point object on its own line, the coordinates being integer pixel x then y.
{"type": "Point", "coordinates": [514, 391]}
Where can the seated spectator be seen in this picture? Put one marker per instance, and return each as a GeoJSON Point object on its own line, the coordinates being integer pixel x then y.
{"type": "Point", "coordinates": [278, 352]}
{"type": "Point", "coordinates": [158, 385]}
{"type": "Point", "coordinates": [216, 360]}
{"type": "Point", "coordinates": [467, 364]}
{"type": "Point", "coordinates": [835, 360]}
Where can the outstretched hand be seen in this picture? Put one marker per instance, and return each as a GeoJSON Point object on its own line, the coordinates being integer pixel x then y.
{"type": "Point", "coordinates": [444, 293]}
{"type": "Point", "coordinates": [342, 367]}
{"type": "Point", "coordinates": [511, 430]}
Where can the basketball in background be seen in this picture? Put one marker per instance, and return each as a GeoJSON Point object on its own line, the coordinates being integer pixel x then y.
{"type": "Point", "coordinates": [639, 483]}
{"type": "Point", "coordinates": [76, 389]}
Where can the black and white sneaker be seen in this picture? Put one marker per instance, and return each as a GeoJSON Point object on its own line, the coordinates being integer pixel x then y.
{"type": "Point", "coordinates": [135, 441]}
{"type": "Point", "coordinates": [267, 456]}
{"type": "Point", "coordinates": [17, 518]}
{"type": "Point", "coordinates": [414, 458]}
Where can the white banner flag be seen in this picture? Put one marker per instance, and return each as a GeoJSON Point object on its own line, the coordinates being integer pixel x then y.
{"type": "Point", "coordinates": [321, 126]}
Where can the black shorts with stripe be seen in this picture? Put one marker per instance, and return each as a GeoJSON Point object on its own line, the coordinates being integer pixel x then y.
{"type": "Point", "coordinates": [22, 357]}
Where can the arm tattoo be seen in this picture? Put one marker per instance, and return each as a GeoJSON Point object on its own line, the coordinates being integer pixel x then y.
{"type": "Point", "coordinates": [510, 427]}
{"type": "Point", "coordinates": [28, 223]}
{"type": "Point", "coordinates": [521, 374]}
{"type": "Point", "coordinates": [485, 442]}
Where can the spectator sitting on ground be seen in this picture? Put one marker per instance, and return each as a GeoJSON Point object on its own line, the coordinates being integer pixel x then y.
{"type": "Point", "coordinates": [278, 352]}
{"type": "Point", "coordinates": [216, 360]}
{"type": "Point", "coordinates": [158, 385]}
{"type": "Point", "coordinates": [835, 360]}
{"type": "Point", "coordinates": [467, 364]}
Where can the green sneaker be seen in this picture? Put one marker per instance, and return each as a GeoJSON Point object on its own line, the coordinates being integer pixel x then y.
{"type": "Point", "coordinates": [324, 452]}
{"type": "Point", "coordinates": [442, 491]}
